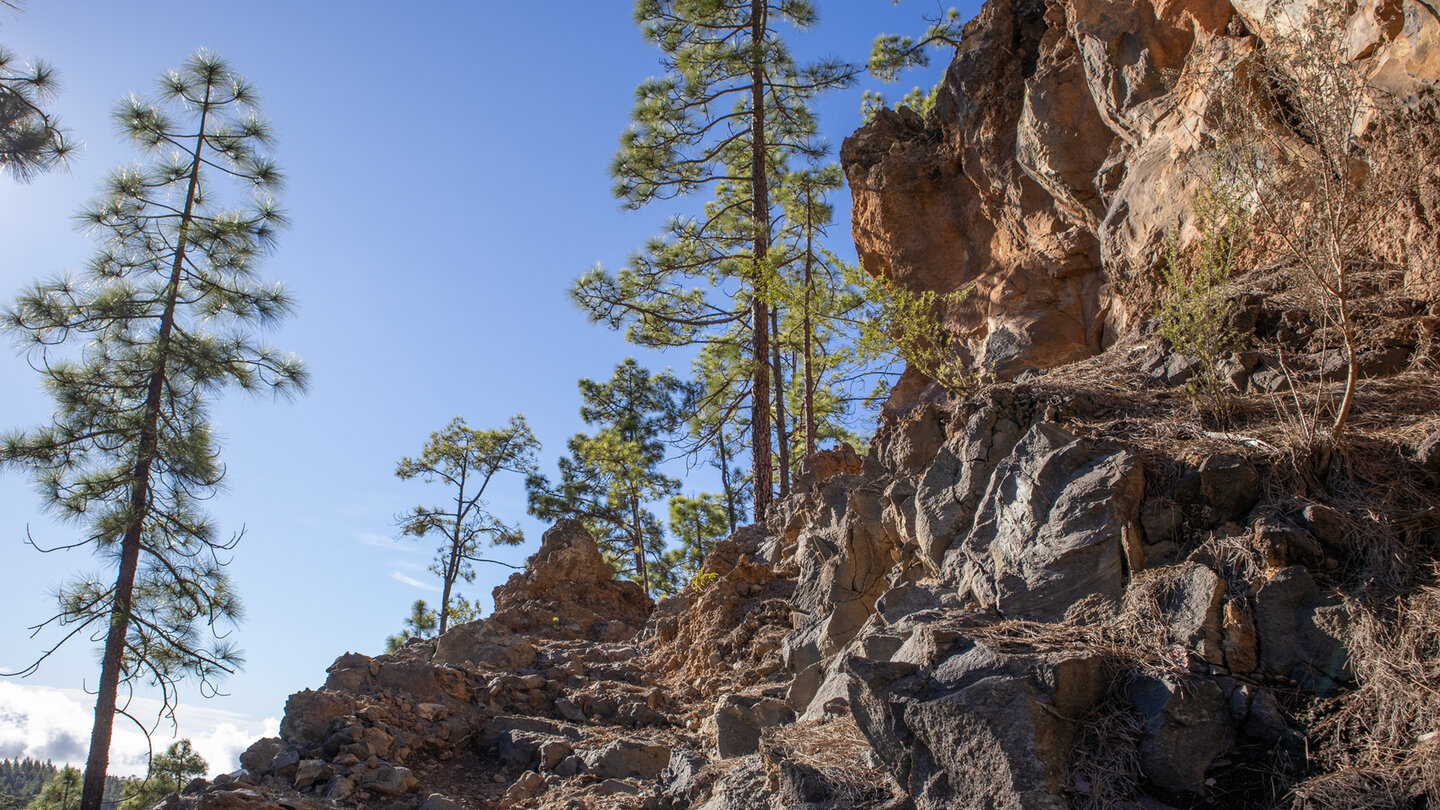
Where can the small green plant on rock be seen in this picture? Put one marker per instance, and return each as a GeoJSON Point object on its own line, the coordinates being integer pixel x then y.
{"type": "Point", "coordinates": [1192, 316]}
{"type": "Point", "coordinates": [899, 323]}
{"type": "Point", "coordinates": [702, 580]}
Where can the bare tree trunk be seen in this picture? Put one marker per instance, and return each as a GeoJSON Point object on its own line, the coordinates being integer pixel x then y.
{"type": "Point", "coordinates": [725, 482]}
{"type": "Point", "coordinates": [450, 572]}
{"type": "Point", "coordinates": [452, 567]}
{"type": "Point", "coordinates": [640, 567]}
{"type": "Point", "coordinates": [1347, 334]}
{"type": "Point", "coordinates": [782, 432]}
{"type": "Point", "coordinates": [807, 328]}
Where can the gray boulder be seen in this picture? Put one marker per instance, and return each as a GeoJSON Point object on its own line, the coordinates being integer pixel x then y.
{"type": "Point", "coordinates": [843, 571]}
{"type": "Point", "coordinates": [1301, 631]}
{"type": "Point", "coordinates": [983, 729]}
{"type": "Point", "coordinates": [1055, 526]}
{"type": "Point", "coordinates": [389, 780]}
{"type": "Point", "coordinates": [951, 487]}
{"type": "Point", "coordinates": [1185, 602]}
{"type": "Point", "coordinates": [258, 757]}
{"type": "Point", "coordinates": [308, 715]}
{"type": "Point", "coordinates": [624, 758]}
{"type": "Point", "coordinates": [1187, 725]}
{"type": "Point", "coordinates": [479, 643]}
{"type": "Point", "coordinates": [914, 440]}
{"type": "Point", "coordinates": [738, 721]}
{"type": "Point", "coordinates": [1224, 488]}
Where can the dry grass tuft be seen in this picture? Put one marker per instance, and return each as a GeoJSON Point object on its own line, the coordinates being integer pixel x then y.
{"type": "Point", "coordinates": [1105, 767]}
{"type": "Point", "coordinates": [834, 750]}
{"type": "Point", "coordinates": [1380, 743]}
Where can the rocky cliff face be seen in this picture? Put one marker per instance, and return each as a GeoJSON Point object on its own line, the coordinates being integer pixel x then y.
{"type": "Point", "coordinates": [1062, 149]}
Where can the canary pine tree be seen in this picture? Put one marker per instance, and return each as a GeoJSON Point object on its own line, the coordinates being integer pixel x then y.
{"type": "Point", "coordinates": [716, 426]}
{"type": "Point", "coordinates": [731, 108]}
{"type": "Point", "coordinates": [169, 773]}
{"type": "Point", "coordinates": [611, 476]}
{"type": "Point", "coordinates": [466, 460]}
{"type": "Point", "coordinates": [133, 352]}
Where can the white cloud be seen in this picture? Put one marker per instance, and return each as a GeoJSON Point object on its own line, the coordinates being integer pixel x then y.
{"type": "Point", "coordinates": [48, 723]}
{"type": "Point", "coordinates": [413, 582]}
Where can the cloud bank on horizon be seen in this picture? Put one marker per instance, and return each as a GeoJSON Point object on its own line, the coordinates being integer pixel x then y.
{"type": "Point", "coordinates": [48, 723]}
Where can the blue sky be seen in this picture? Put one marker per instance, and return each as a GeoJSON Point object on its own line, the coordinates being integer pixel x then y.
{"type": "Point", "coordinates": [447, 167]}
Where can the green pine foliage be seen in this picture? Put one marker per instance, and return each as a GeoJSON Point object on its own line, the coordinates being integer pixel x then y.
{"type": "Point", "coordinates": [423, 621]}
{"type": "Point", "coordinates": [718, 424]}
{"type": "Point", "coordinates": [62, 791]}
{"type": "Point", "coordinates": [420, 624]}
{"type": "Point", "coordinates": [897, 324]}
{"type": "Point", "coordinates": [730, 109]}
{"type": "Point", "coordinates": [133, 352]}
{"type": "Point", "coordinates": [611, 476]}
{"type": "Point", "coordinates": [920, 100]}
{"type": "Point", "coordinates": [819, 304]}
{"type": "Point", "coordinates": [169, 773]}
{"type": "Point", "coordinates": [894, 53]}
{"type": "Point", "coordinates": [465, 461]}
{"type": "Point", "coordinates": [697, 523]}
{"type": "Point", "coordinates": [23, 780]}
{"type": "Point", "coordinates": [31, 139]}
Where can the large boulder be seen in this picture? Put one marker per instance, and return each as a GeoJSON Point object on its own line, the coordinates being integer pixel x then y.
{"type": "Point", "coordinates": [1187, 726]}
{"type": "Point", "coordinates": [843, 571]}
{"type": "Point", "coordinates": [625, 758]}
{"type": "Point", "coordinates": [309, 715]}
{"type": "Point", "coordinates": [567, 590]}
{"type": "Point", "coordinates": [951, 487]}
{"type": "Point", "coordinates": [1055, 526]}
{"type": "Point", "coordinates": [982, 729]}
{"type": "Point", "coordinates": [738, 721]}
{"type": "Point", "coordinates": [482, 642]}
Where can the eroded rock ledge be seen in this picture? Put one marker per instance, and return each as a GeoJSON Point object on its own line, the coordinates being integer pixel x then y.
{"type": "Point", "coordinates": [1061, 151]}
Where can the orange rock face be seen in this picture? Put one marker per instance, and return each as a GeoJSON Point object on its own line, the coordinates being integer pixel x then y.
{"type": "Point", "coordinates": [1066, 143]}
{"type": "Point", "coordinates": [567, 590]}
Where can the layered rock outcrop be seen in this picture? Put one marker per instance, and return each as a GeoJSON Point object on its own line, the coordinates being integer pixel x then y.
{"type": "Point", "coordinates": [1067, 140]}
{"type": "Point", "coordinates": [999, 607]}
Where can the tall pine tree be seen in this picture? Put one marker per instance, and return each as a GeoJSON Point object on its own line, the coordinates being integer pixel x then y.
{"type": "Point", "coordinates": [731, 108]}
{"type": "Point", "coordinates": [163, 320]}
{"type": "Point", "coordinates": [612, 475]}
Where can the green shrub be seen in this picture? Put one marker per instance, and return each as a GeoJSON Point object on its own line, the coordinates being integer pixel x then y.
{"type": "Point", "coordinates": [1193, 311]}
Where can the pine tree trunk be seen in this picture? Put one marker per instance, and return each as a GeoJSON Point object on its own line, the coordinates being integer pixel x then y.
{"type": "Point", "coordinates": [641, 569]}
{"type": "Point", "coordinates": [452, 567]}
{"type": "Point", "coordinates": [760, 213]}
{"type": "Point", "coordinates": [782, 433]}
{"type": "Point", "coordinates": [809, 333]}
{"type": "Point", "coordinates": [445, 596]}
{"type": "Point", "coordinates": [98, 762]}
{"type": "Point", "coordinates": [725, 482]}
